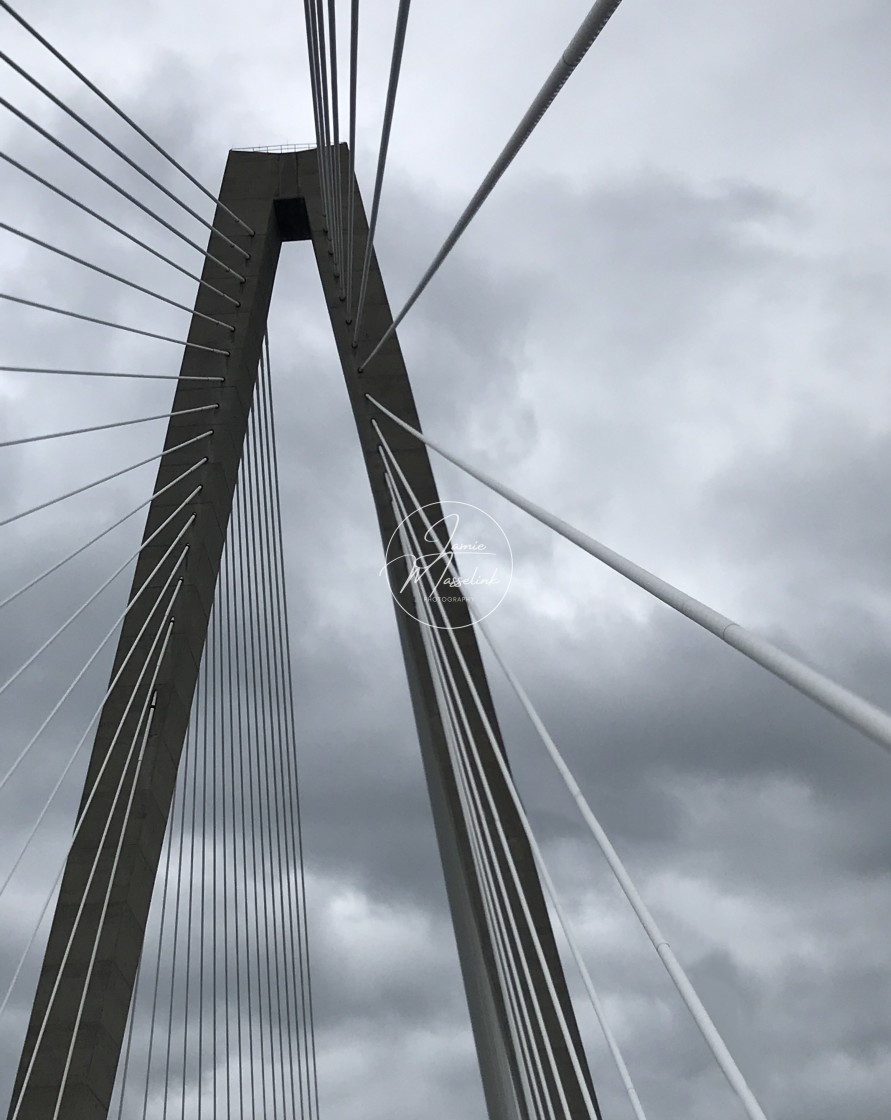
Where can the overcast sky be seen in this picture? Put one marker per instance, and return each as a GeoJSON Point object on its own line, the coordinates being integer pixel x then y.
{"type": "Point", "coordinates": [669, 325]}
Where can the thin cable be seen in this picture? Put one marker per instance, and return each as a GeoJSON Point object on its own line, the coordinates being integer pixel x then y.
{"type": "Point", "coordinates": [847, 705]}
{"type": "Point", "coordinates": [107, 427]}
{"type": "Point", "coordinates": [120, 112]}
{"type": "Point", "coordinates": [688, 994]}
{"type": "Point", "coordinates": [121, 155]}
{"type": "Point", "coordinates": [482, 781]}
{"type": "Point", "coordinates": [309, 1038]}
{"type": "Point", "coordinates": [64, 863]}
{"type": "Point", "coordinates": [535, 1090]}
{"type": "Point", "coordinates": [82, 741]}
{"type": "Point", "coordinates": [148, 715]}
{"type": "Point", "coordinates": [335, 122]}
{"type": "Point", "coordinates": [165, 891]}
{"type": "Point", "coordinates": [115, 186]}
{"type": "Point", "coordinates": [70, 688]}
{"type": "Point", "coordinates": [351, 175]}
{"type": "Point", "coordinates": [591, 26]}
{"type": "Point", "coordinates": [315, 81]}
{"type": "Point", "coordinates": [212, 381]}
{"type": "Point", "coordinates": [76, 923]}
{"type": "Point", "coordinates": [326, 126]}
{"type": "Point", "coordinates": [275, 738]}
{"type": "Point", "coordinates": [99, 536]}
{"type": "Point", "coordinates": [550, 888]}
{"type": "Point", "coordinates": [392, 85]}
{"type": "Point", "coordinates": [114, 276]}
{"type": "Point", "coordinates": [106, 323]}
{"type": "Point", "coordinates": [15, 676]}
{"type": "Point", "coordinates": [111, 225]}
{"type": "Point", "coordinates": [105, 478]}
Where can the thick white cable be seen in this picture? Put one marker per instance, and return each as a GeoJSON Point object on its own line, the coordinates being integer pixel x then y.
{"type": "Point", "coordinates": [389, 108]}
{"type": "Point", "coordinates": [99, 536]}
{"type": "Point", "coordinates": [105, 478]}
{"type": "Point", "coordinates": [118, 229]}
{"type": "Point", "coordinates": [83, 739]}
{"type": "Point", "coordinates": [64, 862]}
{"type": "Point", "coordinates": [108, 427]}
{"type": "Point", "coordinates": [516, 1009]}
{"type": "Point", "coordinates": [847, 705]}
{"type": "Point", "coordinates": [108, 323]}
{"type": "Point", "coordinates": [568, 1041]}
{"type": "Point", "coordinates": [61, 630]}
{"type": "Point", "coordinates": [591, 26]}
{"type": "Point", "coordinates": [9, 773]}
{"type": "Point", "coordinates": [120, 112]}
{"type": "Point", "coordinates": [687, 992]}
{"type": "Point", "coordinates": [113, 275]}
{"type": "Point", "coordinates": [147, 714]}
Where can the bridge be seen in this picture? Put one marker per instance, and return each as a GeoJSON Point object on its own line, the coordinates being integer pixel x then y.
{"type": "Point", "coordinates": [247, 817]}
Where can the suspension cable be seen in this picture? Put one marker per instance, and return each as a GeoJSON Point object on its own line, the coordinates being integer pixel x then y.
{"type": "Point", "coordinates": [116, 186]}
{"type": "Point", "coordinates": [106, 323]}
{"type": "Point", "coordinates": [137, 376]}
{"type": "Point", "coordinates": [392, 85]}
{"type": "Point", "coordinates": [105, 478]}
{"type": "Point", "coordinates": [847, 705]}
{"type": "Point", "coordinates": [107, 427]}
{"type": "Point", "coordinates": [122, 155]}
{"type": "Point", "coordinates": [700, 1016]}
{"type": "Point", "coordinates": [351, 174]}
{"type": "Point", "coordinates": [113, 276]}
{"type": "Point", "coordinates": [591, 26]}
{"type": "Point", "coordinates": [118, 229]}
{"type": "Point", "coordinates": [120, 112]}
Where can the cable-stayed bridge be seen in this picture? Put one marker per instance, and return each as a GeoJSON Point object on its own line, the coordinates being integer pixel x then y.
{"type": "Point", "coordinates": [174, 929]}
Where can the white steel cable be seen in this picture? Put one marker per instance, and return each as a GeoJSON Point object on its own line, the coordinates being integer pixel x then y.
{"type": "Point", "coordinates": [118, 229]}
{"type": "Point", "coordinates": [23, 73]}
{"type": "Point", "coordinates": [847, 705]}
{"type": "Point", "coordinates": [551, 891]}
{"type": "Point", "coordinates": [147, 714]}
{"type": "Point", "coordinates": [12, 769]}
{"type": "Point", "coordinates": [64, 961]}
{"type": "Point", "coordinates": [351, 173]}
{"type": "Point", "coordinates": [120, 112]}
{"type": "Point", "coordinates": [82, 548]}
{"type": "Point", "coordinates": [335, 125]}
{"type": "Point", "coordinates": [83, 739]}
{"type": "Point", "coordinates": [389, 108]}
{"type": "Point", "coordinates": [107, 427]}
{"type": "Point", "coordinates": [284, 641]}
{"type": "Point", "coordinates": [388, 458]}
{"type": "Point", "coordinates": [15, 676]}
{"type": "Point", "coordinates": [105, 478]}
{"type": "Point", "coordinates": [61, 870]}
{"type": "Point", "coordinates": [107, 323]}
{"type": "Point", "coordinates": [116, 186]}
{"type": "Point", "coordinates": [113, 275]}
{"type": "Point", "coordinates": [688, 994]}
{"type": "Point", "coordinates": [211, 381]}
{"type": "Point", "coordinates": [527, 1052]}
{"type": "Point", "coordinates": [591, 26]}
